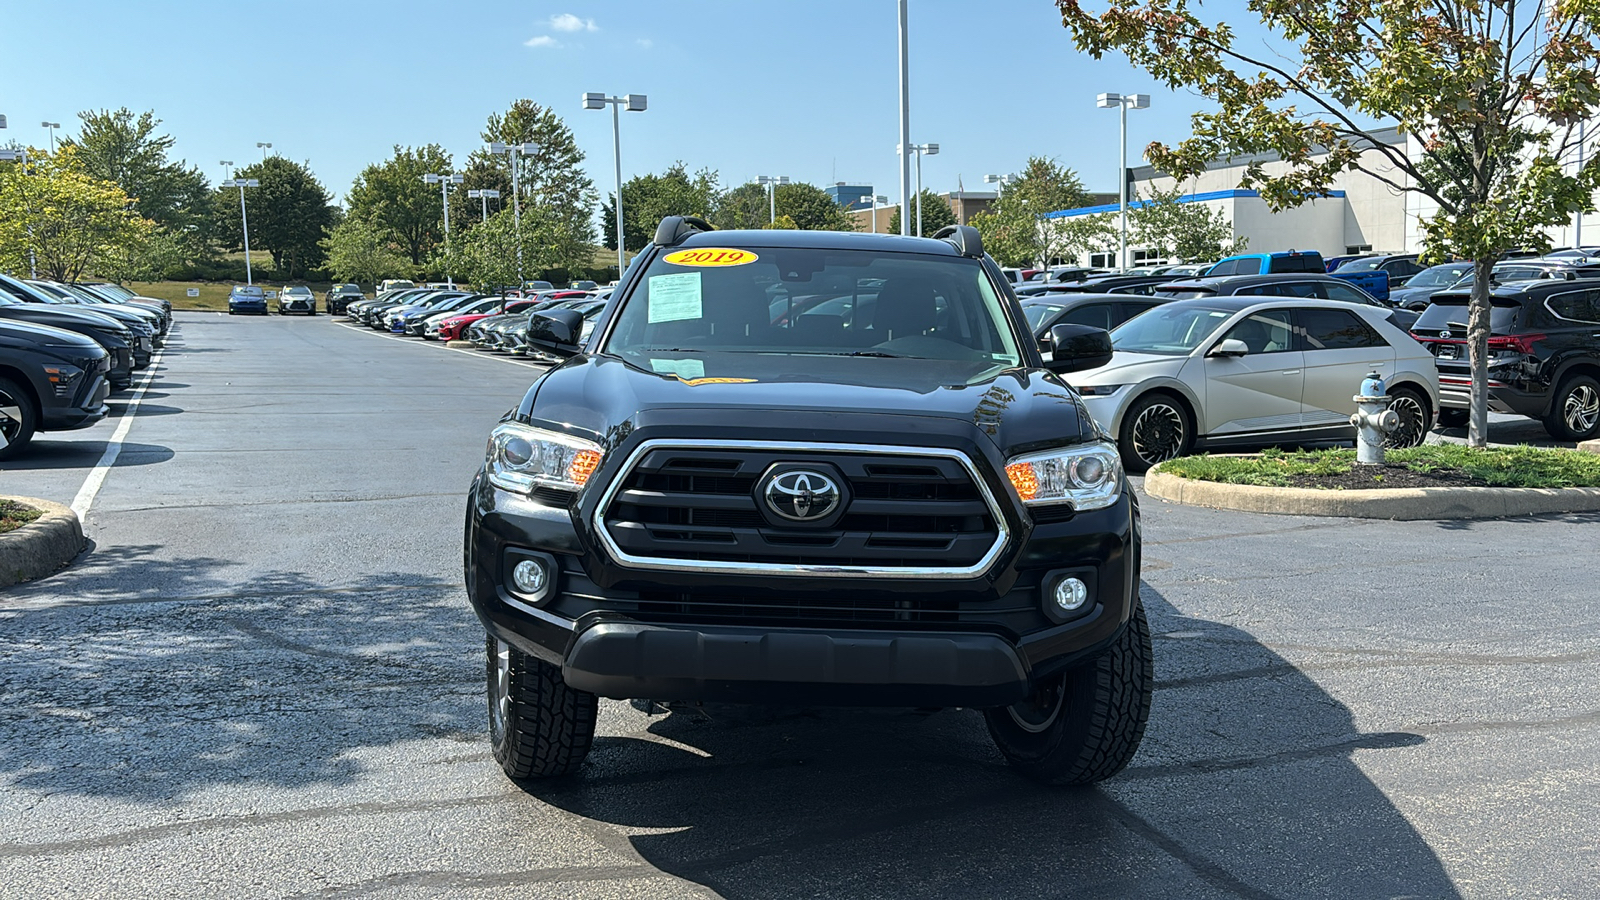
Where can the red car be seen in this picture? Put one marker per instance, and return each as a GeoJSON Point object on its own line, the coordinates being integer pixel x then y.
{"type": "Point", "coordinates": [450, 329]}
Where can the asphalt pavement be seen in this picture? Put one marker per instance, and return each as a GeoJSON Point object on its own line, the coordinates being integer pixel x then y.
{"type": "Point", "coordinates": [264, 680]}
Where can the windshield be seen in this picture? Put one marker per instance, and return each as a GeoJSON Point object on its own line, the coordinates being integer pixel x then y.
{"type": "Point", "coordinates": [794, 301]}
{"type": "Point", "coordinates": [1370, 264]}
{"type": "Point", "coordinates": [1038, 312]}
{"type": "Point", "coordinates": [297, 292]}
{"type": "Point", "coordinates": [1440, 276]}
{"type": "Point", "coordinates": [1173, 330]}
{"type": "Point", "coordinates": [1185, 295]}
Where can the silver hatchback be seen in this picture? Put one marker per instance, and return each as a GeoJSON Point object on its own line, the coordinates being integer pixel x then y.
{"type": "Point", "coordinates": [1238, 371]}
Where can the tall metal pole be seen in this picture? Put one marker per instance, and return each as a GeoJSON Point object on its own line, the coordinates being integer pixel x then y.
{"type": "Point", "coordinates": [919, 193]}
{"type": "Point", "coordinates": [516, 206]}
{"type": "Point", "coordinates": [485, 199]}
{"type": "Point", "coordinates": [1122, 191]}
{"type": "Point", "coordinates": [772, 203]}
{"type": "Point", "coordinates": [874, 218]}
{"type": "Point", "coordinates": [905, 127]}
{"type": "Point", "coordinates": [244, 219]}
{"type": "Point", "coordinates": [444, 193]}
{"type": "Point", "coordinates": [1577, 233]}
{"type": "Point", "coordinates": [616, 152]}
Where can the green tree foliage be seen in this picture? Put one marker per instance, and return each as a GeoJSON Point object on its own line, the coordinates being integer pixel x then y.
{"type": "Point", "coordinates": [782, 223]}
{"type": "Point", "coordinates": [125, 149]}
{"type": "Point", "coordinates": [289, 214]}
{"type": "Point", "coordinates": [551, 176]}
{"type": "Point", "coordinates": [71, 222]}
{"type": "Point", "coordinates": [742, 207]}
{"type": "Point", "coordinates": [360, 251]}
{"type": "Point", "coordinates": [808, 206]}
{"type": "Point", "coordinates": [936, 214]}
{"type": "Point", "coordinates": [1014, 229]}
{"type": "Point", "coordinates": [1073, 238]}
{"type": "Point", "coordinates": [487, 256]}
{"type": "Point", "coordinates": [1187, 232]}
{"type": "Point", "coordinates": [647, 199]}
{"type": "Point", "coordinates": [393, 196]}
{"type": "Point", "coordinates": [1492, 94]}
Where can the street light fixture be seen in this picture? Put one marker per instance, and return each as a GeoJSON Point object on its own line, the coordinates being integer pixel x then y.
{"type": "Point", "coordinates": [484, 194]}
{"type": "Point", "coordinates": [52, 126]}
{"type": "Point", "coordinates": [634, 103]}
{"type": "Point", "coordinates": [444, 180]}
{"type": "Point", "coordinates": [512, 151]}
{"type": "Point", "coordinates": [1123, 102]}
{"type": "Point", "coordinates": [9, 155]}
{"type": "Point", "coordinates": [771, 182]}
{"type": "Point", "coordinates": [244, 220]}
{"type": "Point", "coordinates": [227, 168]}
{"type": "Point", "coordinates": [265, 146]}
{"type": "Point", "coordinates": [920, 150]}
{"type": "Point", "coordinates": [874, 200]}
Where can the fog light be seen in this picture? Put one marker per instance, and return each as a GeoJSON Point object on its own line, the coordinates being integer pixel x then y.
{"type": "Point", "coordinates": [1071, 594]}
{"type": "Point", "coordinates": [529, 577]}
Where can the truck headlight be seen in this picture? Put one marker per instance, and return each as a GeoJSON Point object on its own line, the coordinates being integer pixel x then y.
{"type": "Point", "coordinates": [522, 458]}
{"type": "Point", "coordinates": [1089, 476]}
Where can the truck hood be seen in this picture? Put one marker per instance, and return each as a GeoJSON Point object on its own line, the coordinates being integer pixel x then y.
{"type": "Point", "coordinates": [1018, 408]}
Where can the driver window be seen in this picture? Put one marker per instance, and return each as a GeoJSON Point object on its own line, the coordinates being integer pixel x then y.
{"type": "Point", "coordinates": [1267, 331]}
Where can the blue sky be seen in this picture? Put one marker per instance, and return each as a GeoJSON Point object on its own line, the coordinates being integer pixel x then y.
{"type": "Point", "coordinates": [803, 89]}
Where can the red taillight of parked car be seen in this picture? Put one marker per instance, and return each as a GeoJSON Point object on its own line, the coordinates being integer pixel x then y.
{"type": "Point", "coordinates": [1520, 343]}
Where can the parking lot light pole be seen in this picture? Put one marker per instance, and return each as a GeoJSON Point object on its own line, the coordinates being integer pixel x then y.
{"type": "Point", "coordinates": [484, 194]}
{"type": "Point", "coordinates": [874, 199]}
{"type": "Point", "coordinates": [922, 150]}
{"type": "Point", "coordinates": [905, 127]}
{"type": "Point", "coordinates": [634, 103]}
{"type": "Point", "coordinates": [52, 126]}
{"type": "Point", "coordinates": [227, 169]}
{"type": "Point", "coordinates": [771, 182]}
{"type": "Point", "coordinates": [444, 180]}
{"type": "Point", "coordinates": [512, 151]}
{"type": "Point", "coordinates": [1122, 102]}
{"type": "Point", "coordinates": [244, 221]}
{"type": "Point", "coordinates": [265, 146]}
{"type": "Point", "coordinates": [33, 264]}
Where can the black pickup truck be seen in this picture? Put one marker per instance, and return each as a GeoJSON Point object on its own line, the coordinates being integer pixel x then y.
{"type": "Point", "coordinates": [811, 468]}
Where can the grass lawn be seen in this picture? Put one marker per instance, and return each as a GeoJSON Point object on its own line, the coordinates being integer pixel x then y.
{"type": "Point", "coordinates": [1534, 467]}
{"type": "Point", "coordinates": [15, 515]}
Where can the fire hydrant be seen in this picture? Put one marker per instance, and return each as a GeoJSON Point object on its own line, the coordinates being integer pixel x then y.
{"type": "Point", "coordinates": [1373, 419]}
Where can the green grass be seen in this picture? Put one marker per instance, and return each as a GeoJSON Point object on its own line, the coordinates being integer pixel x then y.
{"type": "Point", "coordinates": [15, 515]}
{"type": "Point", "coordinates": [213, 294]}
{"type": "Point", "coordinates": [1534, 467]}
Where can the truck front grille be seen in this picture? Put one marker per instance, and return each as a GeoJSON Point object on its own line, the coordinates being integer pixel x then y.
{"type": "Point", "coordinates": [919, 512]}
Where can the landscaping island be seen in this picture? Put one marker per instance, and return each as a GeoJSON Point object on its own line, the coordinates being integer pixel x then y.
{"type": "Point", "coordinates": [1440, 481]}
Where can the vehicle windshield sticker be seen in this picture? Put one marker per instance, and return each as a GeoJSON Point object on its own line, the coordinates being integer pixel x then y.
{"type": "Point", "coordinates": [711, 256]}
{"type": "Point", "coordinates": [695, 382]}
{"type": "Point", "coordinates": [674, 298]}
{"type": "Point", "coordinates": [683, 369]}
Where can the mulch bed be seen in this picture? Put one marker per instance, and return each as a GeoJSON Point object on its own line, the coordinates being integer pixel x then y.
{"type": "Point", "coordinates": [1365, 478]}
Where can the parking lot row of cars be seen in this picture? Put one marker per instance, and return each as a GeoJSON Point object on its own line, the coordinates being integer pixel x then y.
{"type": "Point", "coordinates": [65, 348]}
{"type": "Point", "coordinates": [495, 322]}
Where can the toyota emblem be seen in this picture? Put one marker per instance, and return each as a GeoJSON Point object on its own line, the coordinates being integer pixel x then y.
{"type": "Point", "coordinates": [802, 495]}
{"type": "Point", "coordinates": [1445, 334]}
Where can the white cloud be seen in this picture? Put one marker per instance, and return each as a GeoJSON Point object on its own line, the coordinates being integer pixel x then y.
{"type": "Point", "coordinates": [570, 22]}
{"type": "Point", "coordinates": [543, 40]}
{"type": "Point", "coordinates": [646, 43]}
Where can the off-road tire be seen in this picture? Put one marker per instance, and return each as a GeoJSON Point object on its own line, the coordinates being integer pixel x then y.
{"type": "Point", "coordinates": [1098, 721]}
{"type": "Point", "coordinates": [1454, 418]}
{"type": "Point", "coordinates": [22, 425]}
{"type": "Point", "coordinates": [546, 727]}
{"type": "Point", "coordinates": [1582, 390]}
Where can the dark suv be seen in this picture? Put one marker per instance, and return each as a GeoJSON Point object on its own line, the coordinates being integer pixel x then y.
{"type": "Point", "coordinates": [1544, 354]}
{"type": "Point", "coordinates": [341, 296]}
{"type": "Point", "coordinates": [888, 500]}
{"type": "Point", "coordinates": [50, 380]}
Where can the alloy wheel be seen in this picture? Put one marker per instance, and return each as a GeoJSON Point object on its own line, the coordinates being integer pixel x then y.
{"type": "Point", "coordinates": [1581, 409]}
{"type": "Point", "coordinates": [1039, 711]}
{"type": "Point", "coordinates": [1413, 421]}
{"type": "Point", "coordinates": [1159, 433]}
{"type": "Point", "coordinates": [10, 419]}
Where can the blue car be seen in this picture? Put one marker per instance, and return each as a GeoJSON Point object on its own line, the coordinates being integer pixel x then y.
{"type": "Point", "coordinates": [247, 299]}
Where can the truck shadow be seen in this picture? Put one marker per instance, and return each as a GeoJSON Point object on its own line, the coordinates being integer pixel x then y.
{"type": "Point", "coordinates": [1245, 786]}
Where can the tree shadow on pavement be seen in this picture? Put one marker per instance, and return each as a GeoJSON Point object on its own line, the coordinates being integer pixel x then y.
{"type": "Point", "coordinates": [1245, 786]}
{"type": "Point", "coordinates": [146, 679]}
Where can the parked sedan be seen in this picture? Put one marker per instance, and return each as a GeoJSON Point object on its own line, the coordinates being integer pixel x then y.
{"type": "Point", "coordinates": [1230, 371]}
{"type": "Point", "coordinates": [247, 299]}
{"type": "Point", "coordinates": [107, 332]}
{"type": "Point", "coordinates": [412, 320]}
{"type": "Point", "coordinates": [142, 323]}
{"type": "Point", "coordinates": [54, 380]}
{"type": "Point", "coordinates": [455, 327]}
{"type": "Point", "coordinates": [1419, 291]}
{"type": "Point", "coordinates": [434, 325]}
{"type": "Point", "coordinates": [297, 299]}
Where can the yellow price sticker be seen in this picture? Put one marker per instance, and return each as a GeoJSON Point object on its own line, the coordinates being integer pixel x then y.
{"type": "Point", "coordinates": [695, 382]}
{"type": "Point", "coordinates": [710, 257]}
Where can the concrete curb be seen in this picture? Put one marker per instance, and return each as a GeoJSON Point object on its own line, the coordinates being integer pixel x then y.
{"type": "Point", "coordinates": [1590, 446]}
{"type": "Point", "coordinates": [1395, 503]}
{"type": "Point", "coordinates": [41, 546]}
{"type": "Point", "coordinates": [460, 345]}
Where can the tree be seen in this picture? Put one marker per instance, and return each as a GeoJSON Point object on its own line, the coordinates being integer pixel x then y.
{"type": "Point", "coordinates": [125, 149]}
{"type": "Point", "coordinates": [359, 251]}
{"type": "Point", "coordinates": [487, 256]}
{"type": "Point", "coordinates": [1188, 232]}
{"type": "Point", "coordinates": [70, 222]}
{"type": "Point", "coordinates": [288, 214]}
{"type": "Point", "coordinates": [1492, 95]}
{"type": "Point", "coordinates": [1015, 231]}
{"type": "Point", "coordinates": [551, 175]}
{"type": "Point", "coordinates": [783, 223]}
{"type": "Point", "coordinates": [936, 214]}
{"type": "Point", "coordinates": [1072, 237]}
{"type": "Point", "coordinates": [647, 199]}
{"type": "Point", "coordinates": [742, 207]}
{"type": "Point", "coordinates": [808, 206]}
{"type": "Point", "coordinates": [392, 196]}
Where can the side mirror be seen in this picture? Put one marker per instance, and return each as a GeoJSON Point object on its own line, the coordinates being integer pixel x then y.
{"type": "Point", "coordinates": [556, 331]}
{"type": "Point", "coordinates": [1078, 347]}
{"type": "Point", "coordinates": [1230, 347]}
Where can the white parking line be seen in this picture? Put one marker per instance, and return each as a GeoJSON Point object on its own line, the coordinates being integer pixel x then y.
{"type": "Point", "coordinates": [97, 475]}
